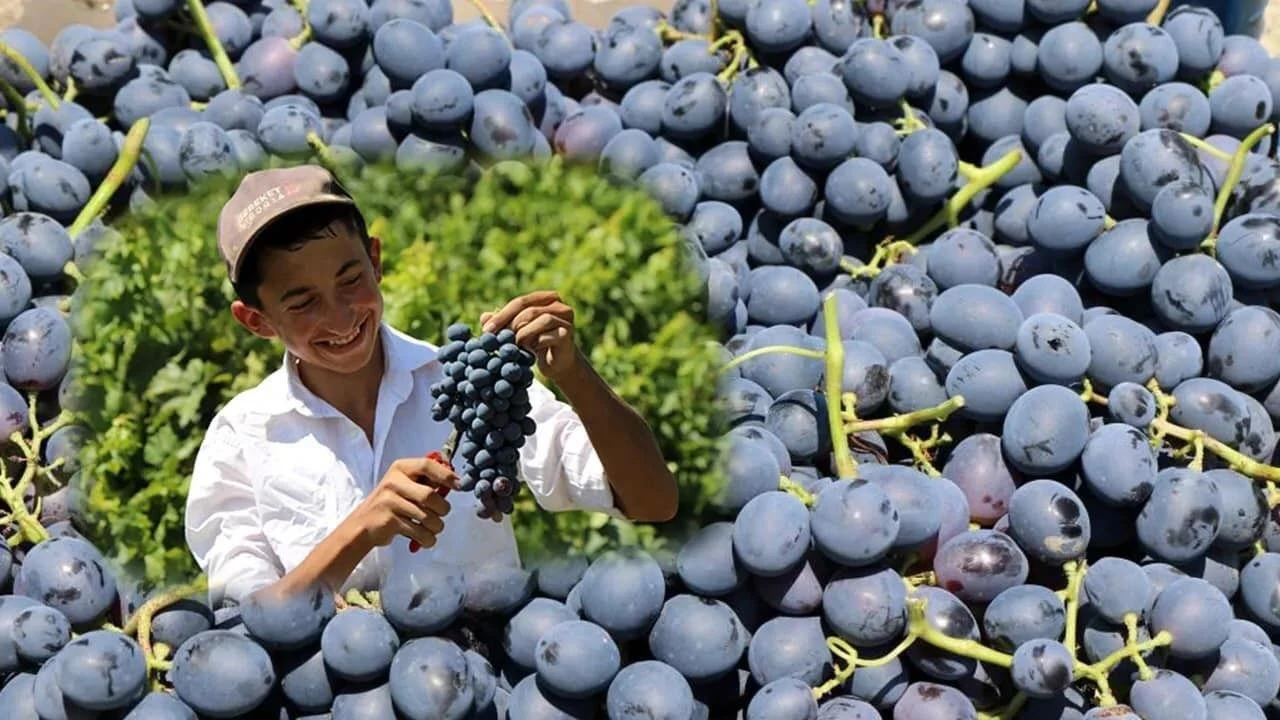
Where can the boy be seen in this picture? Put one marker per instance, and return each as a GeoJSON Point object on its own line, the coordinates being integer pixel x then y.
{"type": "Point", "coordinates": [319, 474]}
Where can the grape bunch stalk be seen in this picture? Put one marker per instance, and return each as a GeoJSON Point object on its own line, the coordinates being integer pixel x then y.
{"type": "Point", "coordinates": [485, 395]}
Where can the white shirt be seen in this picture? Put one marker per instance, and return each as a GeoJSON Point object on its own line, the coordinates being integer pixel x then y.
{"type": "Point", "coordinates": [279, 469]}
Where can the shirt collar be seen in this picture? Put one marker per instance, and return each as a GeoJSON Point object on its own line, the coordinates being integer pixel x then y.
{"type": "Point", "coordinates": [402, 356]}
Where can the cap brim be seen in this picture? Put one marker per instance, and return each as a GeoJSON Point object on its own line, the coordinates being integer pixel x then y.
{"type": "Point", "coordinates": [280, 214]}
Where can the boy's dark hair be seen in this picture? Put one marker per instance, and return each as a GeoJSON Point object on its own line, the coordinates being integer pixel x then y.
{"type": "Point", "coordinates": [292, 232]}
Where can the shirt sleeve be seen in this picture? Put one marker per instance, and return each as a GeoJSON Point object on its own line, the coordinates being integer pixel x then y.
{"type": "Point", "coordinates": [223, 528]}
{"type": "Point", "coordinates": [559, 463]}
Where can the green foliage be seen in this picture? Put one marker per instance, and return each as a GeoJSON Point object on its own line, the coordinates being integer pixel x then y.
{"type": "Point", "coordinates": [158, 352]}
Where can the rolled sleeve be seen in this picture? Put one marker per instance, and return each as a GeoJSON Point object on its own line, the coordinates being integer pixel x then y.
{"type": "Point", "coordinates": [559, 463]}
{"type": "Point", "coordinates": [223, 529]}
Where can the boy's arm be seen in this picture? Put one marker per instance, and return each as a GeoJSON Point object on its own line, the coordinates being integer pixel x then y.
{"type": "Point", "coordinates": [643, 487]}
{"type": "Point", "coordinates": [225, 534]}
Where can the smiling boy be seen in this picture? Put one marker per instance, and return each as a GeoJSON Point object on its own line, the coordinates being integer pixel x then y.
{"type": "Point", "coordinates": [319, 474]}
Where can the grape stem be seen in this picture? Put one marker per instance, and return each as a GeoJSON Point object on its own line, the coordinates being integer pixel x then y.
{"type": "Point", "coordinates": [219, 53]}
{"type": "Point", "coordinates": [791, 487]}
{"type": "Point", "coordinates": [304, 35]}
{"type": "Point", "coordinates": [1131, 624]}
{"type": "Point", "coordinates": [140, 623]}
{"type": "Point", "coordinates": [70, 92]}
{"type": "Point", "coordinates": [773, 349]}
{"type": "Point", "coordinates": [669, 33]}
{"type": "Point", "coordinates": [846, 468]}
{"type": "Point", "coordinates": [1234, 171]}
{"type": "Point", "coordinates": [1199, 144]}
{"type": "Point", "coordinates": [1075, 572]}
{"type": "Point", "coordinates": [899, 424]}
{"type": "Point", "coordinates": [919, 627]}
{"type": "Point", "coordinates": [488, 16]}
{"type": "Point", "coordinates": [741, 55]}
{"type": "Point", "coordinates": [130, 151]}
{"type": "Point", "coordinates": [909, 123]}
{"type": "Point", "coordinates": [922, 448]}
{"type": "Point", "coordinates": [355, 598]}
{"type": "Point", "coordinates": [979, 179]}
{"type": "Point", "coordinates": [888, 252]}
{"type": "Point", "coordinates": [1199, 441]}
{"type": "Point", "coordinates": [1156, 16]}
{"type": "Point", "coordinates": [322, 150]}
{"type": "Point", "coordinates": [848, 655]}
{"type": "Point", "coordinates": [918, 624]}
{"type": "Point", "coordinates": [19, 105]}
{"type": "Point", "coordinates": [877, 26]}
{"type": "Point", "coordinates": [26, 68]}
{"type": "Point", "coordinates": [29, 527]}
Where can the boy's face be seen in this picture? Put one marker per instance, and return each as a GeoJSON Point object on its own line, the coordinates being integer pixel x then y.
{"type": "Point", "coordinates": [322, 300]}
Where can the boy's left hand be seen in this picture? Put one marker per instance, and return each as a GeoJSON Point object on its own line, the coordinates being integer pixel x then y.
{"type": "Point", "coordinates": [543, 324]}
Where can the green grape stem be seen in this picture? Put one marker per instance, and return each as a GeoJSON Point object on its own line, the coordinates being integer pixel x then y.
{"type": "Point", "coordinates": [1211, 82]}
{"type": "Point", "coordinates": [898, 424]}
{"type": "Point", "coordinates": [977, 180]}
{"type": "Point", "coordinates": [355, 598]}
{"type": "Point", "coordinates": [742, 57]}
{"type": "Point", "coordinates": [1234, 172]}
{"type": "Point", "coordinates": [669, 33]}
{"type": "Point", "coordinates": [848, 656]}
{"type": "Point", "coordinates": [918, 627]}
{"type": "Point", "coordinates": [29, 527]}
{"type": "Point", "coordinates": [19, 105]}
{"type": "Point", "coordinates": [489, 18]}
{"type": "Point", "coordinates": [1199, 441]}
{"type": "Point", "coordinates": [1156, 16]}
{"type": "Point", "coordinates": [304, 35]}
{"type": "Point", "coordinates": [139, 624]}
{"type": "Point", "coordinates": [774, 349]}
{"type": "Point", "coordinates": [787, 485]}
{"type": "Point", "coordinates": [1204, 146]}
{"type": "Point", "coordinates": [322, 150]}
{"type": "Point", "coordinates": [908, 123]}
{"type": "Point", "coordinates": [27, 69]}
{"type": "Point", "coordinates": [1131, 624]}
{"type": "Point", "coordinates": [1075, 572]}
{"type": "Point", "coordinates": [846, 468]}
{"type": "Point", "coordinates": [877, 26]}
{"type": "Point", "coordinates": [210, 37]}
{"type": "Point", "coordinates": [126, 161]}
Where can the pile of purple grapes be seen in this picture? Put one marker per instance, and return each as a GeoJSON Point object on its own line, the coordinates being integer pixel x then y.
{"type": "Point", "coordinates": [485, 395]}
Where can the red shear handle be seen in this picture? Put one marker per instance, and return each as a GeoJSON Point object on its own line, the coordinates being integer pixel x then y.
{"type": "Point", "coordinates": [443, 492]}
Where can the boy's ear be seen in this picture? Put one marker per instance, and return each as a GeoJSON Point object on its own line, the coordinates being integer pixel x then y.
{"type": "Point", "coordinates": [375, 255]}
{"type": "Point", "coordinates": [252, 319]}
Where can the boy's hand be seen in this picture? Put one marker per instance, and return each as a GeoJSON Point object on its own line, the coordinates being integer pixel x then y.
{"type": "Point", "coordinates": [408, 501]}
{"type": "Point", "coordinates": [543, 324]}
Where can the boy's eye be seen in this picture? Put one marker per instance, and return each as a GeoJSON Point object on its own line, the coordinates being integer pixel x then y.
{"type": "Point", "coordinates": [301, 306]}
{"type": "Point", "coordinates": [352, 280]}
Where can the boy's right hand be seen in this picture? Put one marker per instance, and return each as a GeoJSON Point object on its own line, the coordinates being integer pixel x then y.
{"type": "Point", "coordinates": [407, 502]}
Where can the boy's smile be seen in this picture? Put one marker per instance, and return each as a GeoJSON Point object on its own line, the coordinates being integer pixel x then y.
{"type": "Point", "coordinates": [322, 300]}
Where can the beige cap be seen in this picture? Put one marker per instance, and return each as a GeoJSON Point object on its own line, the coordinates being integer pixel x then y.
{"type": "Point", "coordinates": [265, 196]}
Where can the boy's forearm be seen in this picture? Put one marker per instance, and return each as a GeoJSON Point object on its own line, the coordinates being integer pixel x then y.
{"type": "Point", "coordinates": [644, 488]}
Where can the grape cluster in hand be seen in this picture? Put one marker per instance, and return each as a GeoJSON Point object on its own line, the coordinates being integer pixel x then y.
{"type": "Point", "coordinates": [485, 395]}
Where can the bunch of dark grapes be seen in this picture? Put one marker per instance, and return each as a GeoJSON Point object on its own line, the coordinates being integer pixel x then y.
{"type": "Point", "coordinates": [485, 395]}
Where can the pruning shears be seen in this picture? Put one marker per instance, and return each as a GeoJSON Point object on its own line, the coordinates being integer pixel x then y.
{"type": "Point", "coordinates": [443, 456]}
